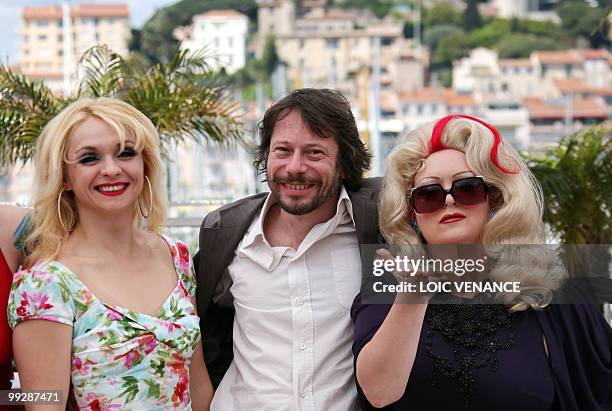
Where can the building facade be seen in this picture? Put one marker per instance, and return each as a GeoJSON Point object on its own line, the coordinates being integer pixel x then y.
{"type": "Point", "coordinates": [42, 47]}
{"type": "Point", "coordinates": [221, 34]}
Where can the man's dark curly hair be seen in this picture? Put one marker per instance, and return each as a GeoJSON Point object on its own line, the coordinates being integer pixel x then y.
{"type": "Point", "coordinates": [328, 114]}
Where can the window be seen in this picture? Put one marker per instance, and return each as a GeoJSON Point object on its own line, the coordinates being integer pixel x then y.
{"type": "Point", "coordinates": [230, 42]}
{"type": "Point", "coordinates": [60, 37]}
{"type": "Point", "coordinates": [42, 23]}
{"type": "Point", "coordinates": [42, 37]}
{"type": "Point", "coordinates": [331, 43]}
{"type": "Point", "coordinates": [386, 41]}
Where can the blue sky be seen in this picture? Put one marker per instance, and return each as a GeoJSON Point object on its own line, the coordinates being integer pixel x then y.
{"type": "Point", "coordinates": [10, 18]}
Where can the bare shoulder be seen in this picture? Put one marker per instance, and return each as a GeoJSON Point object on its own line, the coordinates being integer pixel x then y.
{"type": "Point", "coordinates": [11, 216]}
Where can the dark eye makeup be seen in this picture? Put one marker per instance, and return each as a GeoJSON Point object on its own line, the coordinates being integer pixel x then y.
{"type": "Point", "coordinates": [92, 156]}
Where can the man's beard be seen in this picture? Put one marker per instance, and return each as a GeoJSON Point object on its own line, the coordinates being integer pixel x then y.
{"type": "Point", "coordinates": [324, 193]}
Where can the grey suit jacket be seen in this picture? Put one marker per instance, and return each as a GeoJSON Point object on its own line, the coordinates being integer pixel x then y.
{"type": "Point", "coordinates": [221, 233]}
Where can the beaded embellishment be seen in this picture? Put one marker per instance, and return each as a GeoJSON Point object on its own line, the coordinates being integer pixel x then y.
{"type": "Point", "coordinates": [473, 329]}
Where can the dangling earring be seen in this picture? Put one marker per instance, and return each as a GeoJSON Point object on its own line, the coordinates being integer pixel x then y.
{"type": "Point", "coordinates": [59, 213]}
{"type": "Point", "coordinates": [150, 198]}
{"type": "Point", "coordinates": [491, 214]}
{"type": "Point", "coordinates": [415, 227]}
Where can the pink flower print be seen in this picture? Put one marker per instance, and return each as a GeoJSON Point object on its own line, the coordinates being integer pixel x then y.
{"type": "Point", "coordinates": [131, 358]}
{"type": "Point", "coordinates": [149, 343]}
{"type": "Point", "coordinates": [101, 403]}
{"type": "Point", "coordinates": [170, 326]}
{"type": "Point", "coordinates": [112, 314]}
{"type": "Point", "coordinates": [183, 257]}
{"type": "Point", "coordinates": [36, 301]}
{"type": "Point", "coordinates": [180, 392]}
{"type": "Point", "coordinates": [80, 367]}
{"type": "Point", "coordinates": [86, 297]}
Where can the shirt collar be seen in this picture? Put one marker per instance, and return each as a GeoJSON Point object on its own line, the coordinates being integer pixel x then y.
{"type": "Point", "coordinates": [344, 205]}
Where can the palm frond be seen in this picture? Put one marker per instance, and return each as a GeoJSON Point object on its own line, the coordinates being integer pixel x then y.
{"type": "Point", "coordinates": [103, 72]}
{"type": "Point", "coordinates": [25, 107]}
{"type": "Point", "coordinates": [178, 97]}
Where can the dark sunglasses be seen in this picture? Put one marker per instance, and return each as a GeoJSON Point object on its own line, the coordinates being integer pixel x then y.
{"type": "Point", "coordinates": [465, 191]}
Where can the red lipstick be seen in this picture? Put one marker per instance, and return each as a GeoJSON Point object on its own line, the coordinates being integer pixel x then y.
{"type": "Point", "coordinates": [451, 218]}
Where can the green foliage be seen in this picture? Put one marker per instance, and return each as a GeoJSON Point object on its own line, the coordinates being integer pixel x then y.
{"type": "Point", "coordinates": [491, 34]}
{"type": "Point", "coordinates": [441, 13]}
{"type": "Point", "coordinates": [576, 179]}
{"type": "Point", "coordinates": [471, 16]}
{"type": "Point", "coordinates": [451, 47]}
{"type": "Point", "coordinates": [579, 20]}
{"type": "Point", "coordinates": [157, 42]}
{"type": "Point", "coordinates": [380, 8]}
{"type": "Point", "coordinates": [25, 107]}
{"type": "Point", "coordinates": [179, 97]}
{"type": "Point", "coordinates": [519, 45]}
{"type": "Point", "coordinates": [269, 56]}
{"type": "Point", "coordinates": [433, 35]}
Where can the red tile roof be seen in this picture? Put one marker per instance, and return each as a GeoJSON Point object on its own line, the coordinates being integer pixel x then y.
{"type": "Point", "coordinates": [558, 57]}
{"type": "Point", "coordinates": [79, 10]}
{"type": "Point", "coordinates": [590, 107]}
{"type": "Point", "coordinates": [572, 85]}
{"type": "Point", "coordinates": [595, 54]}
{"type": "Point", "coordinates": [441, 95]}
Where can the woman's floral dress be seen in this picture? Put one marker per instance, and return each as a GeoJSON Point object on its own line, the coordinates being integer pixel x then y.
{"type": "Point", "coordinates": [121, 359]}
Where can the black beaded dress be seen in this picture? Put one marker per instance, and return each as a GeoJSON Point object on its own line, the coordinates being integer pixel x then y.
{"type": "Point", "coordinates": [481, 357]}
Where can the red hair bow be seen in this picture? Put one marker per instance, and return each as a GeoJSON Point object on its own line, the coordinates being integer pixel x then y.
{"type": "Point", "coordinates": [435, 144]}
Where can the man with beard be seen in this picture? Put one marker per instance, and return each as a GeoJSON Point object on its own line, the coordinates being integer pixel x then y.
{"type": "Point", "coordinates": [277, 272]}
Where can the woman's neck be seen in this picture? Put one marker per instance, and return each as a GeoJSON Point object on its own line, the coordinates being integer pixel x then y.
{"type": "Point", "coordinates": [99, 236]}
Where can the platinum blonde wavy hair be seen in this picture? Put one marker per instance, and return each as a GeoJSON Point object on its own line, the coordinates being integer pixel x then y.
{"type": "Point", "coordinates": [47, 234]}
{"type": "Point", "coordinates": [516, 199]}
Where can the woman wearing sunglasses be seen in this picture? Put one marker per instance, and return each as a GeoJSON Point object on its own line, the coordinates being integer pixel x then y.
{"type": "Point", "coordinates": [454, 184]}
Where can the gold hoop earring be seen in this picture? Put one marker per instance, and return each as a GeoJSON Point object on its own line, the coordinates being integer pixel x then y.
{"type": "Point", "coordinates": [150, 198]}
{"type": "Point", "coordinates": [59, 212]}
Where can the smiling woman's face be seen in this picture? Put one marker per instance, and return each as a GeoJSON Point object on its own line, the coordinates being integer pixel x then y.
{"type": "Point", "coordinates": [454, 223]}
{"type": "Point", "coordinates": [104, 178]}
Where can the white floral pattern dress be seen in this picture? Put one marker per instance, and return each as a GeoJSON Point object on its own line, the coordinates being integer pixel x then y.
{"type": "Point", "coordinates": [121, 359]}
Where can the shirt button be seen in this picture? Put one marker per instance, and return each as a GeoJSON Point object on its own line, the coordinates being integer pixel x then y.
{"type": "Point", "coordinates": [303, 395]}
{"type": "Point", "coordinates": [302, 346]}
{"type": "Point", "coordinates": [299, 301]}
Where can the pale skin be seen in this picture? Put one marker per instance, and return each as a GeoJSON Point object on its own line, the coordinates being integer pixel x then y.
{"type": "Point", "coordinates": [299, 155]}
{"type": "Point", "coordinates": [10, 217]}
{"type": "Point", "coordinates": [104, 232]}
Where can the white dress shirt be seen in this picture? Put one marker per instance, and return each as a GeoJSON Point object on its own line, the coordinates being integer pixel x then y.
{"type": "Point", "coordinates": [292, 328]}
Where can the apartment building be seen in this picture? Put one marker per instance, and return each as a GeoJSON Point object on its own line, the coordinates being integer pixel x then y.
{"type": "Point", "coordinates": [325, 46]}
{"type": "Point", "coordinates": [222, 34]}
{"type": "Point", "coordinates": [552, 119]}
{"type": "Point", "coordinates": [41, 50]}
{"type": "Point", "coordinates": [488, 77]}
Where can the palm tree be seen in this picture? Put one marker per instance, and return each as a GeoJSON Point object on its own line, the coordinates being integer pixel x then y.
{"type": "Point", "coordinates": [576, 178]}
{"type": "Point", "coordinates": [179, 97]}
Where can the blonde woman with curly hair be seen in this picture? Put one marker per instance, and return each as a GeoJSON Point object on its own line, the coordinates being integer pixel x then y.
{"type": "Point", "coordinates": [456, 183]}
{"type": "Point", "coordinates": [106, 312]}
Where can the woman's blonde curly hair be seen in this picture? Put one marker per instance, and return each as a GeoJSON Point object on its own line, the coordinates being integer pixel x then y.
{"type": "Point", "coordinates": [515, 197]}
{"type": "Point", "coordinates": [47, 232]}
